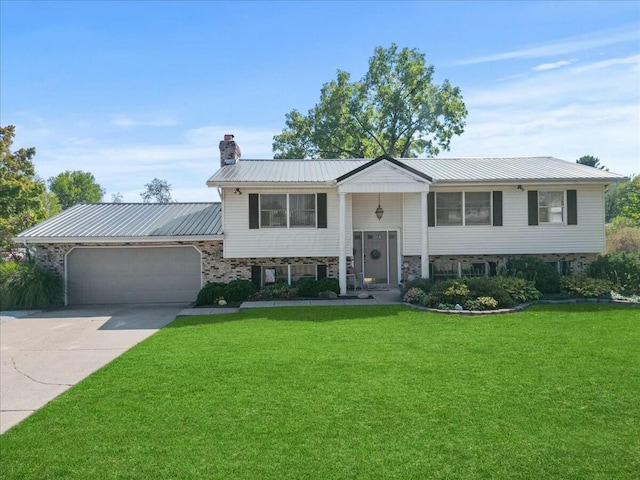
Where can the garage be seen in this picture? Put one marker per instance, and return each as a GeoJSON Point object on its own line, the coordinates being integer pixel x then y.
{"type": "Point", "coordinates": [154, 274]}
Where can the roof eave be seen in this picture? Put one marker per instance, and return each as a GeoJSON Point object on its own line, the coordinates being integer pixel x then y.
{"type": "Point", "coordinates": [141, 239]}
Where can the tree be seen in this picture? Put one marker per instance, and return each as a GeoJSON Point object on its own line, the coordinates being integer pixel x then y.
{"type": "Point", "coordinates": [157, 191]}
{"type": "Point", "coordinates": [75, 187]}
{"type": "Point", "coordinates": [116, 197]}
{"type": "Point", "coordinates": [623, 200]}
{"type": "Point", "coordinates": [591, 161]}
{"type": "Point", "coordinates": [20, 190]}
{"type": "Point", "coordinates": [395, 109]}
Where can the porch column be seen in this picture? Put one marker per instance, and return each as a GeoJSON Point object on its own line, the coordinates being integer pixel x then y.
{"type": "Point", "coordinates": [342, 238]}
{"type": "Point", "coordinates": [424, 238]}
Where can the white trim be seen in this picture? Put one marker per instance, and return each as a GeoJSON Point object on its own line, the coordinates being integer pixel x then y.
{"type": "Point", "coordinates": [342, 247]}
{"type": "Point", "coordinates": [96, 247]}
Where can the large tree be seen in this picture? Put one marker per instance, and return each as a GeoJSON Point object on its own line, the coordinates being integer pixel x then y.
{"type": "Point", "coordinates": [75, 187]}
{"type": "Point", "coordinates": [591, 161]}
{"type": "Point", "coordinates": [21, 192]}
{"type": "Point", "coordinates": [158, 191]}
{"type": "Point", "coordinates": [623, 200]}
{"type": "Point", "coordinates": [395, 109]}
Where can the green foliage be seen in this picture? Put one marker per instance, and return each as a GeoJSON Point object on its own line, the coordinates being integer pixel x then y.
{"type": "Point", "coordinates": [521, 290]}
{"type": "Point", "coordinates": [211, 293]}
{"type": "Point", "coordinates": [308, 287]}
{"type": "Point", "coordinates": [278, 291]}
{"type": "Point", "coordinates": [544, 275]}
{"type": "Point", "coordinates": [621, 269]}
{"type": "Point", "coordinates": [328, 284]}
{"type": "Point", "coordinates": [591, 161]}
{"type": "Point", "coordinates": [584, 286]}
{"type": "Point", "coordinates": [481, 303]}
{"type": "Point", "coordinates": [237, 291]}
{"type": "Point", "coordinates": [423, 284]}
{"type": "Point", "coordinates": [27, 285]}
{"type": "Point", "coordinates": [394, 109]}
{"type": "Point", "coordinates": [449, 292]}
{"type": "Point", "coordinates": [488, 287]}
{"type": "Point", "coordinates": [623, 199]}
{"type": "Point", "coordinates": [414, 295]}
{"type": "Point", "coordinates": [158, 191]}
{"type": "Point", "coordinates": [75, 187]}
{"type": "Point", "coordinates": [21, 192]}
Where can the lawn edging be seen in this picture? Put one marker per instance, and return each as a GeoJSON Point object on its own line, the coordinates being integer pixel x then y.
{"type": "Point", "coordinates": [523, 306]}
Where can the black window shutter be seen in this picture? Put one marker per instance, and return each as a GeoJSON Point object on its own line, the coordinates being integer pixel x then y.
{"type": "Point", "coordinates": [533, 207]}
{"type": "Point", "coordinates": [322, 210]}
{"type": "Point", "coordinates": [572, 207]}
{"type": "Point", "coordinates": [254, 208]}
{"type": "Point", "coordinates": [497, 208]}
{"type": "Point", "coordinates": [431, 209]}
{"type": "Point", "coordinates": [256, 276]}
{"type": "Point", "coordinates": [322, 271]}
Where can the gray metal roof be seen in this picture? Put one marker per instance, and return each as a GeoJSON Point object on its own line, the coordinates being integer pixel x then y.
{"type": "Point", "coordinates": [132, 221]}
{"type": "Point", "coordinates": [442, 170]}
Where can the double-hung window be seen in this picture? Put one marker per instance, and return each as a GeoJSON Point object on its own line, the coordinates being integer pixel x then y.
{"type": "Point", "coordinates": [550, 207]}
{"type": "Point", "coordinates": [281, 210]}
{"type": "Point", "coordinates": [463, 208]}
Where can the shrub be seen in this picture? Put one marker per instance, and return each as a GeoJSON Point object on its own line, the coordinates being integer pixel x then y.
{"type": "Point", "coordinates": [28, 285]}
{"type": "Point", "coordinates": [414, 295]}
{"type": "Point", "coordinates": [329, 285]}
{"type": "Point", "coordinates": [211, 293]}
{"type": "Point", "coordinates": [584, 286]}
{"type": "Point", "coordinates": [447, 292]}
{"type": "Point", "coordinates": [423, 284]}
{"type": "Point", "coordinates": [621, 269]}
{"type": "Point", "coordinates": [488, 287]}
{"type": "Point", "coordinates": [308, 287]}
{"type": "Point", "coordinates": [237, 291]}
{"type": "Point", "coordinates": [624, 240]}
{"type": "Point", "coordinates": [520, 289]}
{"type": "Point", "coordinates": [481, 303]}
{"type": "Point", "coordinates": [545, 276]}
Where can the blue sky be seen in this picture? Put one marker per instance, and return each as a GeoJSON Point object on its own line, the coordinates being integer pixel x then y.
{"type": "Point", "coordinates": [130, 91]}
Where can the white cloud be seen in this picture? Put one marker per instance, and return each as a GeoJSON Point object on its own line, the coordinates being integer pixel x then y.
{"type": "Point", "coordinates": [561, 47]}
{"type": "Point", "coordinates": [590, 109]}
{"type": "Point", "coordinates": [554, 65]}
{"type": "Point", "coordinates": [125, 121]}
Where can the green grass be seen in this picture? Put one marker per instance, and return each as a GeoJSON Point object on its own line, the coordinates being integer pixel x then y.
{"type": "Point", "coordinates": [353, 392]}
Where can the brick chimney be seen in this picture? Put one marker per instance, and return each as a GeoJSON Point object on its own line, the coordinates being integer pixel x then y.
{"type": "Point", "coordinates": [229, 151]}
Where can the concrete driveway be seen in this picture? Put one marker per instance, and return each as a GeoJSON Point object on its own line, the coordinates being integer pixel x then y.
{"type": "Point", "coordinates": [44, 354]}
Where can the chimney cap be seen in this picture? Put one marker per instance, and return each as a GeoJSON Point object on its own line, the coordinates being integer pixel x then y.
{"type": "Point", "coordinates": [229, 136]}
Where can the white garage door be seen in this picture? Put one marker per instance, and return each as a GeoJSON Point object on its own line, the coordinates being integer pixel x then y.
{"type": "Point", "coordinates": [133, 275]}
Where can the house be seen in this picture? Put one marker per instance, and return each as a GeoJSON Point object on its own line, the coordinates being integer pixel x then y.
{"type": "Point", "coordinates": [379, 221]}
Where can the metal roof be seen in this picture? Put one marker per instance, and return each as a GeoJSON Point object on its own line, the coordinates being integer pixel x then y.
{"type": "Point", "coordinates": [131, 221]}
{"type": "Point", "coordinates": [442, 170]}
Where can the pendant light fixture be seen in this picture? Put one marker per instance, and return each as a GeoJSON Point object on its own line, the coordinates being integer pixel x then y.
{"type": "Point", "coordinates": [379, 210]}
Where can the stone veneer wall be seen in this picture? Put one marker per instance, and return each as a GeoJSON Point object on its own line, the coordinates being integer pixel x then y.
{"type": "Point", "coordinates": [578, 262]}
{"type": "Point", "coordinates": [215, 268]}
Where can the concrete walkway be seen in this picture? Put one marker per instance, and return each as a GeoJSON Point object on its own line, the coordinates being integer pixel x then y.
{"type": "Point", "coordinates": [382, 297]}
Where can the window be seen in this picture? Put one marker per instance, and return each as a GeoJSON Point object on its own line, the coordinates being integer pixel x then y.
{"type": "Point", "coordinates": [550, 207]}
{"type": "Point", "coordinates": [474, 269]}
{"type": "Point", "coordinates": [273, 210]}
{"type": "Point", "coordinates": [477, 208]}
{"type": "Point", "coordinates": [302, 210]}
{"type": "Point", "coordinates": [298, 272]}
{"type": "Point", "coordinates": [275, 274]}
{"type": "Point", "coordinates": [449, 209]}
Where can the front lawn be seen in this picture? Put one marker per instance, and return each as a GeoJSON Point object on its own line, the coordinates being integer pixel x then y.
{"type": "Point", "coordinates": [353, 392]}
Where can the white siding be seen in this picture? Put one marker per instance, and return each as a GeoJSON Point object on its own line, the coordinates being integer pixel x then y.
{"type": "Point", "coordinates": [515, 236]}
{"type": "Point", "coordinates": [241, 242]}
{"type": "Point", "coordinates": [364, 211]}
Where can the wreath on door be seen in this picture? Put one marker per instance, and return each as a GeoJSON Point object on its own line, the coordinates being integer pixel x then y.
{"type": "Point", "coordinates": [375, 254]}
